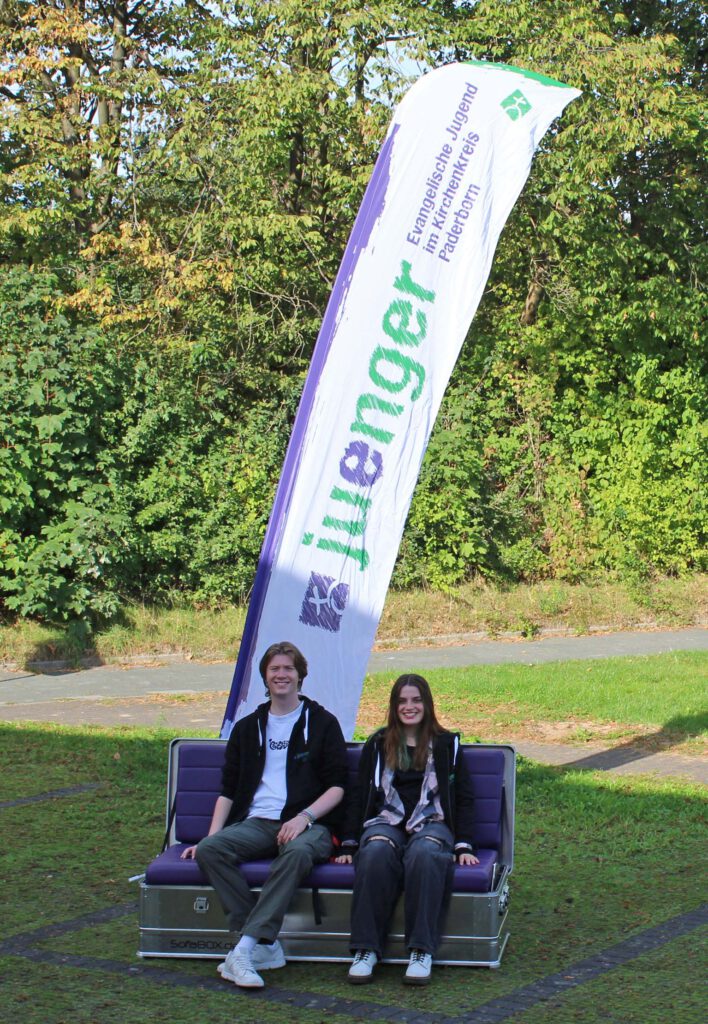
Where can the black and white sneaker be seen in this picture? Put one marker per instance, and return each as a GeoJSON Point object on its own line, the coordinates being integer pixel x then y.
{"type": "Point", "coordinates": [362, 968]}
{"type": "Point", "coordinates": [419, 967]}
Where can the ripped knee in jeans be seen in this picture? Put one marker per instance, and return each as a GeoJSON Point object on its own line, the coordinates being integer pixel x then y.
{"type": "Point", "coordinates": [433, 839]}
{"type": "Point", "coordinates": [381, 839]}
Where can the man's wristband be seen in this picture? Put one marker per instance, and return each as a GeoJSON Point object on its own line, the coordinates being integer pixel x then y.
{"type": "Point", "coordinates": [310, 817]}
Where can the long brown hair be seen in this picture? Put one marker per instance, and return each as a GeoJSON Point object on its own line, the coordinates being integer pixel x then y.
{"type": "Point", "coordinates": [394, 737]}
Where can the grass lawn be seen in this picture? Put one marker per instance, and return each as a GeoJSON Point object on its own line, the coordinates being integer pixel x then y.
{"type": "Point", "coordinates": [657, 702]}
{"type": "Point", "coordinates": [599, 859]}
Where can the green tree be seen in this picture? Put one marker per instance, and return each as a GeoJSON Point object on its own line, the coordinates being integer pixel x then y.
{"type": "Point", "coordinates": [80, 79]}
{"type": "Point", "coordinates": [178, 181]}
{"type": "Point", "coordinates": [591, 371]}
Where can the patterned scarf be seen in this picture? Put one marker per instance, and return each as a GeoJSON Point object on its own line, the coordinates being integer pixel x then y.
{"type": "Point", "coordinates": [427, 809]}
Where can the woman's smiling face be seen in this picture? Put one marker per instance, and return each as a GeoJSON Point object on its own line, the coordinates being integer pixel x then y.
{"type": "Point", "coordinates": [411, 710]}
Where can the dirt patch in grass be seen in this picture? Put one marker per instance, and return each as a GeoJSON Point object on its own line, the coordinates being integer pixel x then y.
{"type": "Point", "coordinates": [167, 700]}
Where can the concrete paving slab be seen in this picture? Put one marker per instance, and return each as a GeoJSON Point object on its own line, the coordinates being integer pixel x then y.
{"type": "Point", "coordinates": [204, 714]}
{"type": "Point", "coordinates": [114, 681]}
{"type": "Point", "coordinates": [621, 760]}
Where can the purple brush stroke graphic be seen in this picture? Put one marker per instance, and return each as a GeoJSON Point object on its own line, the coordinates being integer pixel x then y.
{"type": "Point", "coordinates": [372, 206]}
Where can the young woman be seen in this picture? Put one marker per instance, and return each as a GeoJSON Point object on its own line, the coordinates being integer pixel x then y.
{"type": "Point", "coordinates": [409, 817]}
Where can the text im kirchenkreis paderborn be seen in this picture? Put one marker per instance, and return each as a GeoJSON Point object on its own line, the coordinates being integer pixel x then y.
{"type": "Point", "coordinates": [448, 201]}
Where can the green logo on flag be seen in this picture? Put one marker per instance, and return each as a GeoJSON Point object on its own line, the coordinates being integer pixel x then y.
{"type": "Point", "coordinates": [516, 105]}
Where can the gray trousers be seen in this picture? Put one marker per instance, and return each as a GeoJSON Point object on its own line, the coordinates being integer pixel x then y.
{"type": "Point", "coordinates": [389, 859]}
{"type": "Point", "coordinates": [219, 855]}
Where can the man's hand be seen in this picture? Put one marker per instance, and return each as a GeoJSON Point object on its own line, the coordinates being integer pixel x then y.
{"type": "Point", "coordinates": [189, 853]}
{"type": "Point", "coordinates": [290, 830]}
{"type": "Point", "coordinates": [343, 858]}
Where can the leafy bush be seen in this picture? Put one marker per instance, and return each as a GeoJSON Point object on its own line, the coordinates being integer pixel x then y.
{"type": "Point", "coordinates": [64, 540]}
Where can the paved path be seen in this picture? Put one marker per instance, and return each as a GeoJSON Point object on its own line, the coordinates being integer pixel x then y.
{"type": "Point", "coordinates": [145, 696]}
{"type": "Point", "coordinates": [195, 677]}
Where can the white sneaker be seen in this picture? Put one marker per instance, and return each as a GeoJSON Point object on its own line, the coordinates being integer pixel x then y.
{"type": "Point", "coordinates": [419, 967]}
{"type": "Point", "coordinates": [265, 957]}
{"type": "Point", "coordinates": [238, 967]}
{"type": "Point", "coordinates": [362, 967]}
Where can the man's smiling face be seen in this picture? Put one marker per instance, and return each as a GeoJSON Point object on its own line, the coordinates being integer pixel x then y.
{"type": "Point", "coordinates": [281, 677]}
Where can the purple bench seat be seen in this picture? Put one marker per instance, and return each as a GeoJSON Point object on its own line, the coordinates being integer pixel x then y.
{"type": "Point", "coordinates": [169, 869]}
{"type": "Point", "coordinates": [198, 784]}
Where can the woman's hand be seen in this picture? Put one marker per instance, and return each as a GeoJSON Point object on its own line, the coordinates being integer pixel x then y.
{"type": "Point", "coordinates": [189, 853]}
{"type": "Point", "coordinates": [466, 859]}
{"type": "Point", "coordinates": [343, 858]}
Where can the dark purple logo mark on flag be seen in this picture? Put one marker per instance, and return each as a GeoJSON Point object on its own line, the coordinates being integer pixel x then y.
{"type": "Point", "coordinates": [324, 602]}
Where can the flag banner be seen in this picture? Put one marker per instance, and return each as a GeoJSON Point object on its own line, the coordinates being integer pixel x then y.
{"type": "Point", "coordinates": [456, 156]}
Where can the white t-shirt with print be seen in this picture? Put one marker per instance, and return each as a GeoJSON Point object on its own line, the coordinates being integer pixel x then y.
{"type": "Point", "coordinates": [269, 798]}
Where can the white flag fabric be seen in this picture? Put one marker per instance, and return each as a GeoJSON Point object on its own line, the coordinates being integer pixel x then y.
{"type": "Point", "coordinates": [456, 156]}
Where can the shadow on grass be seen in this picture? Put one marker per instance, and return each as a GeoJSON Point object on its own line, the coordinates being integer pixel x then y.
{"type": "Point", "coordinates": [60, 647]}
{"type": "Point", "coordinates": [64, 647]}
{"type": "Point", "coordinates": [673, 732]}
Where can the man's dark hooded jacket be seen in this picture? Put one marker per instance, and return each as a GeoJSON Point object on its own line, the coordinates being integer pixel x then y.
{"type": "Point", "coordinates": [316, 760]}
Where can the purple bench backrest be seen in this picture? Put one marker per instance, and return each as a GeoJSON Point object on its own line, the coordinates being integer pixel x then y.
{"type": "Point", "coordinates": [198, 784]}
{"type": "Point", "coordinates": [486, 766]}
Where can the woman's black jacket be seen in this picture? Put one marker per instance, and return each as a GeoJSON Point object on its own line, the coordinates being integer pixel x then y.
{"type": "Point", "coordinates": [456, 794]}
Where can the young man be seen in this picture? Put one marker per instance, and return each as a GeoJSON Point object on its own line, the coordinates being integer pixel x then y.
{"type": "Point", "coordinates": [284, 774]}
